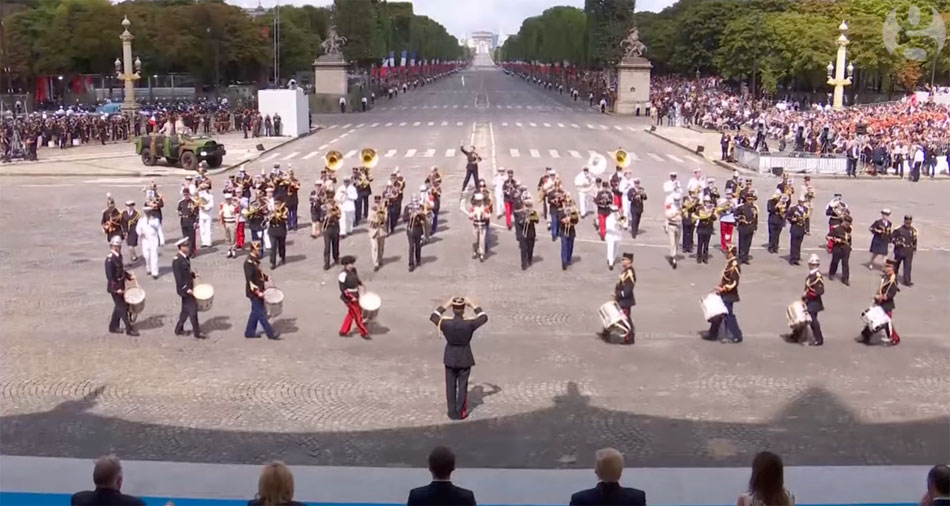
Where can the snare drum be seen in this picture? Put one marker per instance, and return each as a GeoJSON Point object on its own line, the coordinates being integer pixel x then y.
{"type": "Point", "coordinates": [273, 301]}
{"type": "Point", "coordinates": [370, 304]}
{"type": "Point", "coordinates": [797, 314]}
{"type": "Point", "coordinates": [875, 318]}
{"type": "Point", "coordinates": [713, 306]}
{"type": "Point", "coordinates": [612, 317]}
{"type": "Point", "coordinates": [204, 296]}
{"type": "Point", "coordinates": [135, 299]}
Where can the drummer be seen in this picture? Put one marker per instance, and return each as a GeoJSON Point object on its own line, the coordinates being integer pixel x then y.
{"type": "Point", "coordinates": [884, 297]}
{"type": "Point", "coordinates": [728, 289]}
{"type": "Point", "coordinates": [623, 293]}
{"type": "Point", "coordinates": [350, 285]}
{"type": "Point", "coordinates": [814, 289]}
{"type": "Point", "coordinates": [116, 276]}
{"type": "Point", "coordinates": [184, 285]}
{"type": "Point", "coordinates": [254, 279]}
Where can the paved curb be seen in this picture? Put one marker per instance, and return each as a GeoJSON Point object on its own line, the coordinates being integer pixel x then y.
{"type": "Point", "coordinates": [222, 170]}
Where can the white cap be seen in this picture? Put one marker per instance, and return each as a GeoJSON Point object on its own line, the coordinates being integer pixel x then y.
{"type": "Point", "coordinates": [814, 260]}
{"type": "Point", "coordinates": [115, 241]}
{"type": "Point", "coordinates": [423, 188]}
{"type": "Point", "coordinates": [181, 241]}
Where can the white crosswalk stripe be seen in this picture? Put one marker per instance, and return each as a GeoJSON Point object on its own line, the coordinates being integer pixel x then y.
{"type": "Point", "coordinates": [310, 155]}
{"type": "Point", "coordinates": [402, 123]}
{"type": "Point", "coordinates": [429, 153]}
{"type": "Point", "coordinates": [374, 125]}
{"type": "Point", "coordinates": [675, 158]}
{"type": "Point", "coordinates": [618, 127]}
{"type": "Point", "coordinates": [410, 153]}
{"type": "Point", "coordinates": [603, 127]}
{"type": "Point", "coordinates": [590, 126]}
{"type": "Point", "coordinates": [504, 124]}
{"type": "Point", "coordinates": [591, 152]}
{"type": "Point", "coordinates": [445, 123]}
{"type": "Point", "coordinates": [533, 124]}
{"type": "Point", "coordinates": [431, 123]}
{"type": "Point", "coordinates": [331, 127]}
{"type": "Point", "coordinates": [554, 154]}
{"type": "Point", "coordinates": [323, 147]}
{"type": "Point", "coordinates": [655, 157]}
{"type": "Point", "coordinates": [389, 124]}
{"type": "Point", "coordinates": [389, 154]}
{"type": "Point", "coordinates": [575, 125]}
{"type": "Point", "coordinates": [348, 125]}
{"type": "Point", "coordinates": [632, 155]}
{"type": "Point", "coordinates": [417, 123]}
{"type": "Point", "coordinates": [458, 123]}
{"type": "Point", "coordinates": [455, 106]}
{"type": "Point", "coordinates": [291, 155]}
{"type": "Point", "coordinates": [560, 125]}
{"type": "Point", "coordinates": [547, 125]}
{"type": "Point", "coordinates": [446, 106]}
{"type": "Point", "coordinates": [517, 107]}
{"type": "Point", "coordinates": [519, 125]}
{"type": "Point", "coordinates": [514, 152]}
{"type": "Point", "coordinates": [632, 129]}
{"type": "Point", "coordinates": [535, 153]}
{"type": "Point", "coordinates": [529, 107]}
{"type": "Point", "coordinates": [449, 153]}
{"type": "Point", "coordinates": [350, 153]}
{"type": "Point", "coordinates": [574, 154]}
{"type": "Point", "coordinates": [692, 158]}
{"type": "Point", "coordinates": [509, 107]}
{"type": "Point", "coordinates": [361, 125]}
{"type": "Point", "coordinates": [465, 106]}
{"type": "Point", "coordinates": [270, 157]}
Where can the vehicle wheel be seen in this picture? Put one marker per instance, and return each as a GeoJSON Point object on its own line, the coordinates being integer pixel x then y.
{"type": "Point", "coordinates": [214, 161]}
{"type": "Point", "coordinates": [147, 159]}
{"type": "Point", "coordinates": [188, 161]}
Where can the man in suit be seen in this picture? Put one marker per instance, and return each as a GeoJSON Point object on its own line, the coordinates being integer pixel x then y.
{"type": "Point", "coordinates": [441, 492]}
{"type": "Point", "coordinates": [184, 285]}
{"type": "Point", "coordinates": [608, 468]}
{"type": "Point", "coordinates": [458, 358]}
{"type": "Point", "coordinates": [938, 487]}
{"type": "Point", "coordinates": [116, 276]}
{"type": "Point", "coordinates": [107, 476]}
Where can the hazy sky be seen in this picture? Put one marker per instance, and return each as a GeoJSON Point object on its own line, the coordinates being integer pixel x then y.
{"type": "Point", "coordinates": [463, 16]}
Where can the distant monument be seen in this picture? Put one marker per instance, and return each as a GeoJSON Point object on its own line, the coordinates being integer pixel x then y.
{"type": "Point", "coordinates": [329, 73]}
{"type": "Point", "coordinates": [633, 75]}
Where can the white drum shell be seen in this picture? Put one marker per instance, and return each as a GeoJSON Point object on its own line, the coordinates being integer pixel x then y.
{"type": "Point", "coordinates": [370, 304]}
{"type": "Point", "coordinates": [612, 316]}
{"type": "Point", "coordinates": [135, 298]}
{"type": "Point", "coordinates": [274, 301]}
{"type": "Point", "coordinates": [875, 318]}
{"type": "Point", "coordinates": [204, 297]}
{"type": "Point", "coordinates": [713, 306]}
{"type": "Point", "coordinates": [797, 314]}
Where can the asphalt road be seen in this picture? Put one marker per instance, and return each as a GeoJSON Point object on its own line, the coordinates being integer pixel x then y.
{"type": "Point", "coordinates": [545, 393]}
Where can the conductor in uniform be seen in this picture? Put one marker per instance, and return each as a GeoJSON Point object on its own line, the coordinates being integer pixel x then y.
{"type": "Point", "coordinates": [458, 358]}
{"type": "Point", "coordinates": [623, 292]}
{"type": "Point", "coordinates": [116, 276]}
{"type": "Point", "coordinates": [184, 285]}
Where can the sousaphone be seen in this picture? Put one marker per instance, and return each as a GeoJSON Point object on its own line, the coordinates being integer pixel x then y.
{"type": "Point", "coordinates": [334, 160]}
{"type": "Point", "coordinates": [369, 158]}
{"type": "Point", "coordinates": [621, 158]}
{"type": "Point", "coordinates": [597, 164]}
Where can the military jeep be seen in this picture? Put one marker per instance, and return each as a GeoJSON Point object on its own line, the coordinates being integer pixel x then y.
{"type": "Point", "coordinates": [179, 150]}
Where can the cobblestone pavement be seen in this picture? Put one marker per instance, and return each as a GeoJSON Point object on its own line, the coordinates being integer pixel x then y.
{"type": "Point", "coordinates": [545, 393]}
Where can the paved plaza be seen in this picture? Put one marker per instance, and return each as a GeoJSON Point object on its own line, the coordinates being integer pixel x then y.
{"type": "Point", "coordinates": [545, 392]}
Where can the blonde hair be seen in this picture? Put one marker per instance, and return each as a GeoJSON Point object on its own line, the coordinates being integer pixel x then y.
{"type": "Point", "coordinates": [608, 464]}
{"type": "Point", "coordinates": [276, 484]}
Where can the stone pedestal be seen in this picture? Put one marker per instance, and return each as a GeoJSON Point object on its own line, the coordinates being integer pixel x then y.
{"type": "Point", "coordinates": [329, 83]}
{"type": "Point", "coordinates": [633, 85]}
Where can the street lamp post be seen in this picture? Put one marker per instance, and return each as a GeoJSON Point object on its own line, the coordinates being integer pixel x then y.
{"type": "Point", "coordinates": [124, 70]}
{"type": "Point", "coordinates": [836, 71]}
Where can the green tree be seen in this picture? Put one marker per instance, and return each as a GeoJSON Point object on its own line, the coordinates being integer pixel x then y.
{"type": "Point", "coordinates": [607, 24]}
{"type": "Point", "coordinates": [356, 20]}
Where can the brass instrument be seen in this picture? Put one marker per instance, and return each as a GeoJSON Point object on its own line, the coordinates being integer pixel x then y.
{"type": "Point", "coordinates": [621, 158]}
{"type": "Point", "coordinates": [369, 158]}
{"type": "Point", "coordinates": [112, 224]}
{"type": "Point", "coordinates": [333, 213]}
{"type": "Point", "coordinates": [532, 217]}
{"type": "Point", "coordinates": [597, 164]}
{"type": "Point", "coordinates": [334, 160]}
{"type": "Point", "coordinates": [280, 213]}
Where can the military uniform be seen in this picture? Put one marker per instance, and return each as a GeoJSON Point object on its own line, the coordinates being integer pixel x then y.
{"type": "Point", "coordinates": [526, 220]}
{"type": "Point", "coordinates": [116, 276]}
{"type": "Point", "coordinates": [905, 244]}
{"type": "Point", "coordinates": [415, 230]}
{"type": "Point", "coordinates": [188, 218]}
{"type": "Point", "coordinates": [884, 297]}
{"type": "Point", "coordinates": [729, 291]}
{"type": "Point", "coordinates": [840, 237]}
{"type": "Point", "coordinates": [377, 233]}
{"type": "Point", "coordinates": [623, 293]}
{"type": "Point", "coordinates": [776, 207]}
{"type": "Point", "coordinates": [331, 234]}
{"type": "Point", "coordinates": [747, 217]}
{"type": "Point", "coordinates": [814, 289]}
{"type": "Point", "coordinates": [184, 284]}
{"type": "Point", "coordinates": [637, 196]}
{"type": "Point", "coordinates": [457, 358]}
{"type": "Point", "coordinates": [796, 217]}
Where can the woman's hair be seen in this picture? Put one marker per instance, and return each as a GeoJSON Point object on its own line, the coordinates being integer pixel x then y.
{"type": "Point", "coordinates": [276, 485]}
{"type": "Point", "coordinates": [767, 483]}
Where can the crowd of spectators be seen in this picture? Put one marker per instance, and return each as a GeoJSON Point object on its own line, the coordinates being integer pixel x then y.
{"type": "Point", "coordinates": [276, 485]}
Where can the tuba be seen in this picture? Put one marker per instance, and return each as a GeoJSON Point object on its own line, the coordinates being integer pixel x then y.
{"type": "Point", "coordinates": [334, 160]}
{"type": "Point", "coordinates": [621, 158]}
{"type": "Point", "coordinates": [369, 158]}
{"type": "Point", "coordinates": [597, 164]}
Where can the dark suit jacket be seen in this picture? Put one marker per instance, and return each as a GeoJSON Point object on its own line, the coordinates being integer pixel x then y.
{"type": "Point", "coordinates": [458, 332]}
{"type": "Point", "coordinates": [104, 497]}
{"type": "Point", "coordinates": [181, 267]}
{"type": "Point", "coordinates": [609, 494]}
{"type": "Point", "coordinates": [441, 493]}
{"type": "Point", "coordinates": [941, 502]}
{"type": "Point", "coordinates": [256, 502]}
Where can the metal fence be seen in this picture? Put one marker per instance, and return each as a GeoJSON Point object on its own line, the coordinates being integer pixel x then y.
{"type": "Point", "coordinates": [766, 163]}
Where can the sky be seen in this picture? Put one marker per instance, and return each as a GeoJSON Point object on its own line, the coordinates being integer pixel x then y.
{"type": "Point", "coordinates": [461, 17]}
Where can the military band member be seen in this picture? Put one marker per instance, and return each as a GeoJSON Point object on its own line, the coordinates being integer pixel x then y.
{"type": "Point", "coordinates": [726, 210]}
{"type": "Point", "coordinates": [256, 216]}
{"type": "Point", "coordinates": [363, 191]}
{"type": "Point", "coordinates": [732, 185]}
{"type": "Point", "coordinates": [840, 237]}
{"type": "Point", "coordinates": [116, 276]}
{"type": "Point", "coordinates": [471, 166]}
{"type": "Point", "coordinates": [705, 221]}
{"type": "Point", "coordinates": [728, 289]}
{"type": "Point", "coordinates": [797, 218]}
{"type": "Point", "coordinates": [835, 211]}
{"type": "Point", "coordinates": [584, 182]}
{"type": "Point", "coordinates": [350, 286]}
{"type": "Point", "coordinates": [884, 297]}
{"type": "Point", "coordinates": [614, 183]}
{"type": "Point", "coordinates": [435, 197]}
{"type": "Point", "coordinates": [316, 209]}
{"type": "Point", "coordinates": [457, 358]}
{"type": "Point", "coordinates": [615, 225]}
{"type": "Point", "coordinates": [188, 218]}
{"type": "Point", "coordinates": [346, 196]}
{"type": "Point", "coordinates": [747, 218]}
{"type": "Point", "coordinates": [415, 230]}
{"type": "Point", "coordinates": [377, 231]}
{"type": "Point", "coordinates": [777, 207]}
{"type": "Point", "coordinates": [509, 190]}
{"type": "Point", "coordinates": [568, 230]}
{"type": "Point", "coordinates": [293, 199]}
{"type": "Point", "coordinates": [498, 186]}
{"type": "Point", "coordinates": [814, 289]}
{"type": "Point", "coordinates": [205, 208]}
{"type": "Point", "coordinates": [254, 279]}
{"type": "Point", "coordinates": [905, 244]}
{"type": "Point", "coordinates": [277, 230]}
{"type": "Point", "coordinates": [149, 230]}
{"type": "Point", "coordinates": [129, 220]}
{"type": "Point", "coordinates": [672, 225]}
{"type": "Point", "coordinates": [526, 220]}
{"type": "Point", "coordinates": [808, 193]}
{"type": "Point", "coordinates": [623, 293]}
{"type": "Point", "coordinates": [881, 237]}
{"type": "Point", "coordinates": [426, 204]}
{"type": "Point", "coordinates": [331, 232]}
{"type": "Point", "coordinates": [154, 199]}
{"type": "Point", "coordinates": [545, 184]}
{"type": "Point", "coordinates": [111, 220]}
{"type": "Point", "coordinates": [555, 201]}
{"type": "Point", "coordinates": [637, 195]}
{"type": "Point", "coordinates": [228, 213]}
{"type": "Point", "coordinates": [184, 285]}
{"type": "Point", "coordinates": [688, 213]}
{"type": "Point", "coordinates": [392, 200]}
{"type": "Point", "coordinates": [480, 217]}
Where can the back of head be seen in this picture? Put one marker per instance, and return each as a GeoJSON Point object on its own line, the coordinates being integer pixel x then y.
{"type": "Point", "coordinates": [441, 463]}
{"type": "Point", "coordinates": [767, 483]}
{"type": "Point", "coordinates": [938, 480]}
{"type": "Point", "coordinates": [608, 465]}
{"type": "Point", "coordinates": [276, 484]}
{"type": "Point", "coordinates": [107, 472]}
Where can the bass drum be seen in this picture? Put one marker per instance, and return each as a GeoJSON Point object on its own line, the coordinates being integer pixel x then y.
{"type": "Point", "coordinates": [204, 296]}
{"type": "Point", "coordinates": [370, 304]}
{"type": "Point", "coordinates": [713, 306]}
{"type": "Point", "coordinates": [274, 301]}
{"type": "Point", "coordinates": [797, 314]}
{"type": "Point", "coordinates": [875, 318]}
{"type": "Point", "coordinates": [135, 299]}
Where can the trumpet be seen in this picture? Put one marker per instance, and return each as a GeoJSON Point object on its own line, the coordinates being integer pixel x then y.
{"type": "Point", "coordinates": [333, 213]}
{"type": "Point", "coordinates": [369, 158]}
{"type": "Point", "coordinates": [334, 160]}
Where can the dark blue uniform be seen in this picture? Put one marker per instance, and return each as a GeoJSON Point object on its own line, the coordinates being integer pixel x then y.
{"type": "Point", "coordinates": [457, 358]}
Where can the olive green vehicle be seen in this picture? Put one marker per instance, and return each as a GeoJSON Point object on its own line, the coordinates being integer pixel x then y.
{"type": "Point", "coordinates": [179, 150]}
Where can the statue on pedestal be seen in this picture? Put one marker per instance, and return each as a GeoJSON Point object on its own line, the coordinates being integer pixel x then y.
{"type": "Point", "coordinates": [333, 45]}
{"type": "Point", "coordinates": [632, 47]}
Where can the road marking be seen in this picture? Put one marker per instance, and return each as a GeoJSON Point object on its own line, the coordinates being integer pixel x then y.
{"type": "Point", "coordinates": [455, 106]}
{"type": "Point", "coordinates": [655, 157]}
{"type": "Point", "coordinates": [675, 158]}
{"type": "Point", "coordinates": [446, 106]}
{"type": "Point", "coordinates": [560, 125]}
{"type": "Point", "coordinates": [575, 125]}
{"type": "Point", "coordinates": [518, 124]}
{"type": "Point", "coordinates": [590, 126]}
{"type": "Point", "coordinates": [535, 153]}
{"type": "Point", "coordinates": [514, 153]}
{"type": "Point", "coordinates": [288, 157]}
{"type": "Point", "coordinates": [547, 125]}
{"type": "Point", "coordinates": [504, 123]}
{"type": "Point", "coordinates": [459, 123]}
{"type": "Point", "coordinates": [533, 124]}
{"type": "Point", "coordinates": [389, 124]}
{"type": "Point", "coordinates": [632, 129]}
{"type": "Point", "coordinates": [449, 153]}
{"type": "Point", "coordinates": [361, 125]}
{"type": "Point", "coordinates": [445, 123]}
{"type": "Point", "coordinates": [618, 127]}
{"type": "Point", "coordinates": [554, 154]}
{"type": "Point", "coordinates": [632, 155]}
{"type": "Point", "coordinates": [270, 157]}
{"type": "Point", "coordinates": [348, 125]}
{"type": "Point", "coordinates": [429, 153]}
{"type": "Point", "coordinates": [350, 153]}
{"type": "Point", "coordinates": [331, 127]}
{"type": "Point", "coordinates": [374, 125]}
{"type": "Point", "coordinates": [321, 148]}
{"type": "Point", "coordinates": [574, 154]}
{"type": "Point", "coordinates": [465, 106]}
{"type": "Point", "coordinates": [528, 107]}
{"type": "Point", "coordinates": [389, 154]}
{"type": "Point", "coordinates": [509, 107]}
{"type": "Point", "coordinates": [517, 107]}
{"type": "Point", "coordinates": [692, 159]}
{"type": "Point", "coordinates": [417, 123]}
{"type": "Point", "coordinates": [403, 123]}
{"type": "Point", "coordinates": [591, 153]}
{"type": "Point", "coordinates": [603, 127]}
{"type": "Point", "coordinates": [410, 153]}
{"type": "Point", "coordinates": [431, 123]}
{"type": "Point", "coordinates": [310, 155]}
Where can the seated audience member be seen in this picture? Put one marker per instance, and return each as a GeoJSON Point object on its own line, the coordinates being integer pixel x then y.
{"type": "Point", "coordinates": [608, 467]}
{"type": "Point", "coordinates": [107, 476]}
{"type": "Point", "coordinates": [441, 492]}
{"type": "Point", "coordinates": [938, 487]}
{"type": "Point", "coordinates": [275, 486]}
{"type": "Point", "coordinates": [767, 483]}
